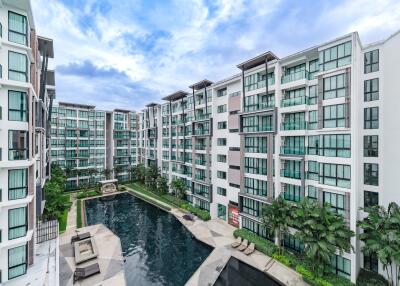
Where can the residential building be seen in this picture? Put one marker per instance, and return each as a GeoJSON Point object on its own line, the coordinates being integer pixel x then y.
{"type": "Point", "coordinates": [312, 124]}
{"type": "Point", "coordinates": [27, 90]}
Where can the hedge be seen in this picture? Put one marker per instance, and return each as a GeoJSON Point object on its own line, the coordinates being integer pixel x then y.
{"type": "Point", "coordinates": [78, 214]}
{"type": "Point", "coordinates": [370, 278]}
{"type": "Point", "coordinates": [263, 245]}
{"type": "Point", "coordinates": [82, 195]}
{"type": "Point", "coordinates": [204, 215]}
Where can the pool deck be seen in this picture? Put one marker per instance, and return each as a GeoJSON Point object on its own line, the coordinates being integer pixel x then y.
{"type": "Point", "coordinates": [109, 258]}
{"type": "Point", "coordinates": [219, 235]}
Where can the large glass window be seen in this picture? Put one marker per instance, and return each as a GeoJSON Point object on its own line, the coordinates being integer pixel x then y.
{"type": "Point", "coordinates": [252, 207]}
{"type": "Point", "coordinates": [335, 86]}
{"type": "Point", "coordinates": [335, 57]}
{"type": "Point", "coordinates": [17, 261]}
{"type": "Point", "coordinates": [371, 89]}
{"type": "Point", "coordinates": [17, 184]}
{"type": "Point", "coordinates": [255, 187]}
{"type": "Point", "coordinates": [255, 166]}
{"type": "Point", "coordinates": [334, 116]}
{"type": "Point", "coordinates": [294, 121]}
{"type": "Point", "coordinates": [292, 243]}
{"type": "Point", "coordinates": [371, 174]}
{"type": "Point", "coordinates": [292, 192]}
{"type": "Point", "coordinates": [291, 169]}
{"type": "Point", "coordinates": [17, 66]}
{"type": "Point", "coordinates": [17, 145]}
{"type": "Point", "coordinates": [371, 118]}
{"type": "Point", "coordinates": [312, 95]}
{"type": "Point", "coordinates": [336, 145]}
{"type": "Point", "coordinates": [221, 211]}
{"type": "Point", "coordinates": [371, 263]}
{"type": "Point", "coordinates": [313, 68]}
{"type": "Point", "coordinates": [17, 28]}
{"type": "Point", "coordinates": [256, 228]}
{"type": "Point", "coordinates": [257, 123]}
{"type": "Point", "coordinates": [313, 145]}
{"type": "Point", "coordinates": [313, 170]}
{"type": "Point", "coordinates": [17, 106]}
{"type": "Point", "coordinates": [313, 120]}
{"type": "Point", "coordinates": [336, 202]}
{"type": "Point", "coordinates": [259, 101]}
{"type": "Point", "coordinates": [371, 146]}
{"type": "Point", "coordinates": [293, 145]}
{"type": "Point", "coordinates": [255, 144]}
{"type": "Point", "coordinates": [335, 175]}
{"type": "Point", "coordinates": [371, 199]}
{"type": "Point", "coordinates": [341, 266]}
{"type": "Point", "coordinates": [371, 61]}
{"type": "Point", "coordinates": [17, 222]}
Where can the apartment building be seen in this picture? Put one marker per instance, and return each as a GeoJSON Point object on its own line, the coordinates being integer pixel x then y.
{"type": "Point", "coordinates": [312, 124]}
{"type": "Point", "coordinates": [27, 90]}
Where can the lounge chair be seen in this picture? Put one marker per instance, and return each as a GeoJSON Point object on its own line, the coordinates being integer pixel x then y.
{"type": "Point", "coordinates": [80, 236]}
{"type": "Point", "coordinates": [84, 272]}
{"type": "Point", "coordinates": [244, 245]}
{"type": "Point", "coordinates": [249, 250]}
{"type": "Point", "coordinates": [237, 242]}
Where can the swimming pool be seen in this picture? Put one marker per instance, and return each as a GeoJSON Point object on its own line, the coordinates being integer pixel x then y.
{"type": "Point", "coordinates": [157, 248]}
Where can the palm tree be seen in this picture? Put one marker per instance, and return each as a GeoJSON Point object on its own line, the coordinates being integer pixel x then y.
{"type": "Point", "coordinates": [138, 173]}
{"type": "Point", "coordinates": [179, 187]}
{"type": "Point", "coordinates": [162, 184]}
{"type": "Point", "coordinates": [276, 218]}
{"type": "Point", "coordinates": [323, 232]}
{"type": "Point", "coordinates": [381, 237]}
{"type": "Point", "coordinates": [152, 173]}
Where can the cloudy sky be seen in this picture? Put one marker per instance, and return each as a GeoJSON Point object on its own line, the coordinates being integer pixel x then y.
{"type": "Point", "coordinates": [125, 53]}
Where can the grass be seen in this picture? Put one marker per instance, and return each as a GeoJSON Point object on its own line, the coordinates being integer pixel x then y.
{"type": "Point", "coordinates": [62, 219]}
{"type": "Point", "coordinates": [296, 262]}
{"type": "Point", "coordinates": [82, 195]}
{"type": "Point", "coordinates": [78, 213]}
{"type": "Point", "coordinates": [170, 200]}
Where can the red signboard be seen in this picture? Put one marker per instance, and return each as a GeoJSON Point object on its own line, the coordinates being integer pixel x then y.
{"type": "Point", "coordinates": [233, 215]}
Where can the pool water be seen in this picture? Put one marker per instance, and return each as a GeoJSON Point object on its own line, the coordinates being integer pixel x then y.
{"type": "Point", "coordinates": [157, 248]}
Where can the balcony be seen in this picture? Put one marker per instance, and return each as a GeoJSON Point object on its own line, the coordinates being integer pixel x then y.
{"type": "Point", "coordinates": [260, 84]}
{"type": "Point", "coordinates": [200, 162]}
{"type": "Point", "coordinates": [260, 106]}
{"type": "Point", "coordinates": [293, 150]}
{"type": "Point", "coordinates": [200, 147]}
{"type": "Point", "coordinates": [294, 101]}
{"type": "Point", "coordinates": [290, 174]}
{"type": "Point", "coordinates": [202, 116]}
{"type": "Point", "coordinates": [295, 76]}
{"type": "Point", "coordinates": [294, 126]}
{"type": "Point", "coordinates": [200, 177]}
{"type": "Point", "coordinates": [201, 132]}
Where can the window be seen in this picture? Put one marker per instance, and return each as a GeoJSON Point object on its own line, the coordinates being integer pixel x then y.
{"type": "Point", "coordinates": [17, 106]}
{"type": "Point", "coordinates": [371, 174]}
{"type": "Point", "coordinates": [371, 118]}
{"type": "Point", "coordinates": [17, 28]}
{"type": "Point", "coordinates": [259, 101]}
{"type": "Point", "coordinates": [17, 184]}
{"type": "Point", "coordinates": [221, 141]}
{"type": "Point", "coordinates": [221, 158]}
{"type": "Point", "coordinates": [17, 261]}
{"type": "Point", "coordinates": [293, 145]}
{"type": "Point", "coordinates": [313, 170]}
{"type": "Point", "coordinates": [371, 89]}
{"type": "Point", "coordinates": [255, 144]}
{"type": "Point", "coordinates": [371, 61]}
{"type": "Point", "coordinates": [336, 145]}
{"type": "Point", "coordinates": [221, 191]}
{"type": "Point", "coordinates": [335, 175]}
{"type": "Point", "coordinates": [313, 120]}
{"type": "Point", "coordinates": [17, 66]}
{"type": "Point", "coordinates": [17, 222]}
{"type": "Point", "coordinates": [221, 108]}
{"type": "Point", "coordinates": [255, 187]}
{"type": "Point", "coordinates": [291, 169]}
{"type": "Point", "coordinates": [221, 92]}
{"type": "Point", "coordinates": [70, 113]}
{"type": "Point", "coordinates": [221, 175]}
{"type": "Point", "coordinates": [17, 145]}
{"type": "Point", "coordinates": [255, 165]}
{"type": "Point", "coordinates": [335, 57]}
{"type": "Point", "coordinates": [292, 192]}
{"type": "Point", "coordinates": [252, 207]}
{"type": "Point", "coordinates": [221, 211]}
{"type": "Point", "coordinates": [334, 116]}
{"type": "Point", "coordinates": [312, 95]}
{"type": "Point", "coordinates": [371, 146]}
{"type": "Point", "coordinates": [341, 266]}
{"type": "Point", "coordinates": [370, 199]}
{"type": "Point", "coordinates": [256, 228]}
{"type": "Point", "coordinates": [312, 193]}
{"type": "Point", "coordinates": [371, 262]}
{"type": "Point", "coordinates": [335, 86]}
{"type": "Point", "coordinates": [313, 145]}
{"type": "Point", "coordinates": [336, 202]}
{"type": "Point", "coordinates": [222, 125]}
{"type": "Point", "coordinates": [292, 243]}
{"type": "Point", "coordinates": [313, 68]}
{"type": "Point", "coordinates": [257, 123]}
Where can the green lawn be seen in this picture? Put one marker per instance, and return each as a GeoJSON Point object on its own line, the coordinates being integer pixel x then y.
{"type": "Point", "coordinates": [78, 214]}
{"type": "Point", "coordinates": [62, 219]}
{"type": "Point", "coordinates": [82, 195]}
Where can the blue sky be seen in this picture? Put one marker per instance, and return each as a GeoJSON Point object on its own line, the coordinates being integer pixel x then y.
{"type": "Point", "coordinates": [125, 53]}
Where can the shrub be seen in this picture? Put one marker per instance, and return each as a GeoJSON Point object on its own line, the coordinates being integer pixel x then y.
{"type": "Point", "coordinates": [88, 194]}
{"type": "Point", "coordinates": [263, 245]}
{"type": "Point", "coordinates": [370, 278]}
{"type": "Point", "coordinates": [204, 215]}
{"type": "Point", "coordinates": [281, 258]}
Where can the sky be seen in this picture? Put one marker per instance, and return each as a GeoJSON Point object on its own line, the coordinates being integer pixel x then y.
{"type": "Point", "coordinates": [127, 53]}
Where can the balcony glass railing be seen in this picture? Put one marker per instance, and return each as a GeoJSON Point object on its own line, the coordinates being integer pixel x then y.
{"type": "Point", "coordinates": [200, 147]}
{"type": "Point", "coordinates": [293, 150]}
{"type": "Point", "coordinates": [200, 162]}
{"type": "Point", "coordinates": [290, 174]}
{"type": "Point", "coordinates": [259, 84]}
{"type": "Point", "coordinates": [201, 132]}
{"type": "Point", "coordinates": [200, 177]}
{"type": "Point", "coordinates": [201, 116]}
{"type": "Point", "coordinates": [295, 76]}
{"type": "Point", "coordinates": [294, 126]}
{"type": "Point", "coordinates": [294, 101]}
{"type": "Point", "coordinates": [260, 106]}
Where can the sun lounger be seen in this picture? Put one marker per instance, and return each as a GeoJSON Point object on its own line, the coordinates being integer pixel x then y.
{"type": "Point", "coordinates": [249, 250]}
{"type": "Point", "coordinates": [84, 272]}
{"type": "Point", "coordinates": [80, 236]}
{"type": "Point", "coordinates": [237, 242]}
{"type": "Point", "coordinates": [244, 245]}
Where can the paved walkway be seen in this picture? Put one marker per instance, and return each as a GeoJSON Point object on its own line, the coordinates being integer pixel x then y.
{"type": "Point", "coordinates": [71, 219]}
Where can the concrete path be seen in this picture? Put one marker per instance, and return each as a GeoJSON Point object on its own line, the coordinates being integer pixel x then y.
{"type": "Point", "coordinates": [71, 219]}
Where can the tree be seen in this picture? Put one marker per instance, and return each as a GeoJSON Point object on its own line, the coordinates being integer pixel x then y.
{"type": "Point", "coordinates": [151, 175]}
{"type": "Point", "coordinates": [381, 237]}
{"type": "Point", "coordinates": [54, 194]}
{"type": "Point", "coordinates": [138, 173]}
{"type": "Point", "coordinates": [107, 173]}
{"type": "Point", "coordinates": [323, 232]}
{"type": "Point", "coordinates": [179, 187]}
{"type": "Point", "coordinates": [162, 184]}
{"type": "Point", "coordinates": [276, 218]}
